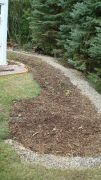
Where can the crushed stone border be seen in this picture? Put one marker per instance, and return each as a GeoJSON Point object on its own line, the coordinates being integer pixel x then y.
{"type": "Point", "coordinates": [75, 77]}
{"type": "Point", "coordinates": [52, 161]}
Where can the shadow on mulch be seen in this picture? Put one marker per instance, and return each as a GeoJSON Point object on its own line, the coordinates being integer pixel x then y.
{"type": "Point", "coordinates": [60, 121]}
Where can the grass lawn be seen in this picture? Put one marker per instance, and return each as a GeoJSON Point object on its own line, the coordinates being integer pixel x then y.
{"type": "Point", "coordinates": [11, 168]}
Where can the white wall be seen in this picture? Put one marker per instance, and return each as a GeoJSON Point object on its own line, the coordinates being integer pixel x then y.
{"type": "Point", "coordinates": [3, 31]}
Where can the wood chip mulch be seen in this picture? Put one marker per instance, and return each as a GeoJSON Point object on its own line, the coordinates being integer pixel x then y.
{"type": "Point", "coordinates": [60, 120]}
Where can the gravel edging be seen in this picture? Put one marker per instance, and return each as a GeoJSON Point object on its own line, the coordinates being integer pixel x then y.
{"type": "Point", "coordinates": [75, 77]}
{"type": "Point", "coordinates": [52, 161]}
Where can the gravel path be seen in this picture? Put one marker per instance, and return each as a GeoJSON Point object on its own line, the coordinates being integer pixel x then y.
{"type": "Point", "coordinates": [52, 161]}
{"type": "Point", "coordinates": [75, 77]}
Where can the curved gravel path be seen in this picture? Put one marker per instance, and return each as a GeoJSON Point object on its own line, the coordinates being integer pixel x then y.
{"type": "Point", "coordinates": [52, 161]}
{"type": "Point", "coordinates": [75, 77]}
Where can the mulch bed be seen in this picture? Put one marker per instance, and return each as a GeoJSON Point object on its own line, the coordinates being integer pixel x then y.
{"type": "Point", "coordinates": [60, 121]}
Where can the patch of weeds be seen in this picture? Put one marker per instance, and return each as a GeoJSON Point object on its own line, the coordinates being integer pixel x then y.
{"type": "Point", "coordinates": [11, 56]}
{"type": "Point", "coordinates": [46, 82]}
{"type": "Point", "coordinates": [95, 81]}
{"type": "Point", "coordinates": [67, 93]}
{"type": "Point", "coordinates": [4, 130]}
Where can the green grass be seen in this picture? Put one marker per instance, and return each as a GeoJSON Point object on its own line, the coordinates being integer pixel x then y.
{"type": "Point", "coordinates": [17, 87]}
{"type": "Point", "coordinates": [11, 168]}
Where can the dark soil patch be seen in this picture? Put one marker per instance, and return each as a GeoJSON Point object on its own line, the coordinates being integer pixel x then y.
{"type": "Point", "coordinates": [59, 121]}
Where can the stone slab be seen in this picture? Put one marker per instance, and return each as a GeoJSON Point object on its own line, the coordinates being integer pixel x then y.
{"type": "Point", "coordinates": [17, 68]}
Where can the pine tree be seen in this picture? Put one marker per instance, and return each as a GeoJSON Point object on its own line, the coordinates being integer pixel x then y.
{"type": "Point", "coordinates": [83, 39]}
{"type": "Point", "coordinates": [45, 23]}
{"type": "Point", "coordinates": [65, 27]}
{"type": "Point", "coordinates": [95, 45]}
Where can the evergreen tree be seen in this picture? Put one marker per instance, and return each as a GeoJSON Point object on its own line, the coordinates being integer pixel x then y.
{"type": "Point", "coordinates": [95, 45]}
{"type": "Point", "coordinates": [66, 26]}
{"type": "Point", "coordinates": [83, 37]}
{"type": "Point", "coordinates": [45, 23]}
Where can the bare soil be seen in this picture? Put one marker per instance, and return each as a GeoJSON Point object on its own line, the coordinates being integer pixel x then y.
{"type": "Point", "coordinates": [60, 121]}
